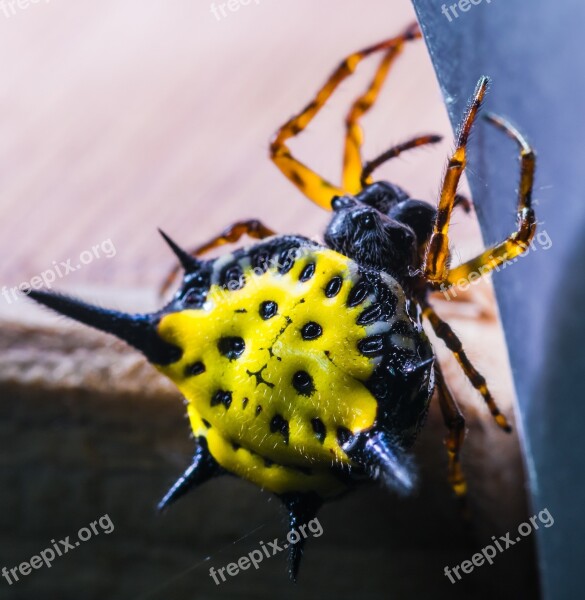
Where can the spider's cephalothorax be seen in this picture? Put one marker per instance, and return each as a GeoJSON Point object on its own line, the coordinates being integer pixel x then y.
{"type": "Point", "coordinates": [305, 366]}
{"type": "Point", "coordinates": [383, 228]}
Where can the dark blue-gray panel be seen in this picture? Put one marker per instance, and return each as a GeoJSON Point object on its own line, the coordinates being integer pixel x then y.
{"type": "Point", "coordinates": [533, 53]}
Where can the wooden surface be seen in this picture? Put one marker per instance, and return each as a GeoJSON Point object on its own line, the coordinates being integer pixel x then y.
{"type": "Point", "coordinates": [92, 429]}
{"type": "Point", "coordinates": [121, 117]}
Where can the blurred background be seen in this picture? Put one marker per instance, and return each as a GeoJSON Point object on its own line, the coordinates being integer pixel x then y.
{"type": "Point", "coordinates": [121, 117]}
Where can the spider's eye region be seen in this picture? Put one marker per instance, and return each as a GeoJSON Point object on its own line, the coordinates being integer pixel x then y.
{"type": "Point", "coordinates": [342, 202]}
{"type": "Point", "coordinates": [382, 195]}
{"type": "Point", "coordinates": [365, 220]}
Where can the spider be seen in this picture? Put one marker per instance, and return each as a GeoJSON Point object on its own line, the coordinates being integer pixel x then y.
{"type": "Point", "coordinates": [305, 366]}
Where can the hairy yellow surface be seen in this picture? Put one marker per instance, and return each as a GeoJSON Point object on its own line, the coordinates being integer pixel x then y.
{"type": "Point", "coordinates": [257, 424]}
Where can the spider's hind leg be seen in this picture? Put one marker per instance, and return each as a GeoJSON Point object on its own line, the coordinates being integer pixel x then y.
{"type": "Point", "coordinates": [354, 137]}
{"type": "Point", "coordinates": [455, 423]}
{"type": "Point", "coordinates": [444, 331]}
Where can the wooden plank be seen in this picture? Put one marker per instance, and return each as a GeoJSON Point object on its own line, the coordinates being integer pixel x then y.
{"type": "Point", "coordinates": [93, 429]}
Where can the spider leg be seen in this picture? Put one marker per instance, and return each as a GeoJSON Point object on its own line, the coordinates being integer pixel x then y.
{"type": "Point", "coordinates": [444, 331]}
{"type": "Point", "coordinates": [393, 152]}
{"type": "Point", "coordinates": [518, 242]}
{"type": "Point", "coordinates": [354, 136]}
{"type": "Point", "coordinates": [437, 253]}
{"type": "Point", "coordinates": [464, 202]}
{"type": "Point", "coordinates": [315, 187]}
{"type": "Point", "coordinates": [455, 423]}
{"type": "Point", "coordinates": [253, 228]}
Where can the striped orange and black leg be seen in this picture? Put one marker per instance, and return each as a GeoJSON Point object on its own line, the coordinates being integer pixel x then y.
{"type": "Point", "coordinates": [519, 241]}
{"type": "Point", "coordinates": [395, 151]}
{"type": "Point", "coordinates": [315, 187]}
{"type": "Point", "coordinates": [455, 423]}
{"type": "Point", "coordinates": [444, 331]}
{"type": "Point", "coordinates": [437, 253]}
{"type": "Point", "coordinates": [354, 137]}
{"type": "Point", "coordinates": [252, 228]}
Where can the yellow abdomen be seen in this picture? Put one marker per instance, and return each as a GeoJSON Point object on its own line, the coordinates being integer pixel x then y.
{"type": "Point", "coordinates": [273, 372]}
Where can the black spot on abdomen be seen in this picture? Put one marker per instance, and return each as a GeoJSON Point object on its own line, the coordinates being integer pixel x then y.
{"type": "Point", "coordinates": [311, 331]}
{"type": "Point", "coordinates": [371, 346]}
{"type": "Point", "coordinates": [401, 328]}
{"type": "Point", "coordinates": [307, 272]}
{"type": "Point", "coordinates": [344, 435]}
{"type": "Point", "coordinates": [221, 397]}
{"type": "Point", "coordinates": [333, 287]}
{"type": "Point", "coordinates": [370, 315]}
{"type": "Point", "coordinates": [286, 260]}
{"type": "Point", "coordinates": [232, 277]}
{"type": "Point", "coordinates": [260, 260]}
{"type": "Point", "coordinates": [303, 383]}
{"type": "Point", "coordinates": [319, 429]}
{"type": "Point", "coordinates": [358, 293]}
{"type": "Point", "coordinates": [279, 424]}
{"type": "Point", "coordinates": [268, 309]}
{"type": "Point", "coordinates": [231, 347]}
{"type": "Point", "coordinates": [195, 368]}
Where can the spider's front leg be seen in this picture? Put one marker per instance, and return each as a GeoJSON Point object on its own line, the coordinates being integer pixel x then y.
{"type": "Point", "coordinates": [315, 187]}
{"type": "Point", "coordinates": [436, 269]}
{"type": "Point", "coordinates": [437, 253]}
{"type": "Point", "coordinates": [254, 228]}
{"type": "Point", "coordinates": [518, 242]}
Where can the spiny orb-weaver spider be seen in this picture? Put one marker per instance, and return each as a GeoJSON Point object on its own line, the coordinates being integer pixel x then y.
{"type": "Point", "coordinates": [305, 366]}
